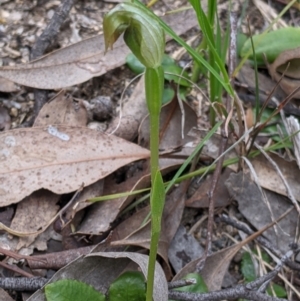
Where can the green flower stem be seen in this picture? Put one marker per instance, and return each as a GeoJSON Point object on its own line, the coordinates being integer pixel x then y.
{"type": "Point", "coordinates": [146, 39]}
{"type": "Point", "coordinates": [154, 84]}
{"type": "Point", "coordinates": [154, 87]}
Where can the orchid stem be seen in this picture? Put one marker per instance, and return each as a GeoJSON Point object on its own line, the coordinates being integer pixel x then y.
{"type": "Point", "coordinates": [154, 84]}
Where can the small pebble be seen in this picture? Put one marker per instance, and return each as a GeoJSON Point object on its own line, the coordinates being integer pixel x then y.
{"type": "Point", "coordinates": [101, 108]}
{"type": "Point", "coordinates": [98, 126]}
{"type": "Point", "coordinates": [13, 112]}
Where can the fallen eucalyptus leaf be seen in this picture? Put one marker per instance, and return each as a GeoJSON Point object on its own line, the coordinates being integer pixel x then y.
{"type": "Point", "coordinates": [59, 159]}
{"type": "Point", "coordinates": [293, 128]}
{"type": "Point", "coordinates": [62, 109]}
{"type": "Point", "coordinates": [8, 86]}
{"type": "Point", "coordinates": [258, 213]}
{"type": "Point", "coordinates": [216, 265]}
{"type": "Point", "coordinates": [79, 62]}
{"type": "Point", "coordinates": [4, 296]}
{"type": "Point", "coordinates": [288, 65]}
{"type": "Point", "coordinates": [170, 126]}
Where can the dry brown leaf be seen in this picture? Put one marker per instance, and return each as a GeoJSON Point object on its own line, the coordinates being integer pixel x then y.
{"type": "Point", "coordinates": [99, 219]}
{"type": "Point", "coordinates": [8, 86]}
{"type": "Point", "coordinates": [287, 63]}
{"type": "Point", "coordinates": [59, 159]}
{"type": "Point", "coordinates": [247, 76]}
{"type": "Point", "coordinates": [133, 111]}
{"type": "Point", "coordinates": [33, 213]}
{"type": "Point", "coordinates": [216, 265]}
{"type": "Point", "coordinates": [200, 199]}
{"type": "Point", "coordinates": [68, 66]}
{"type": "Point", "coordinates": [79, 62]}
{"type": "Point", "coordinates": [131, 231]}
{"type": "Point", "coordinates": [4, 296]}
{"type": "Point", "coordinates": [258, 213]}
{"type": "Point", "coordinates": [62, 109]}
{"type": "Point", "coordinates": [269, 178]}
{"type": "Point", "coordinates": [183, 249]}
{"type": "Point", "coordinates": [170, 126]}
{"type": "Point", "coordinates": [102, 214]}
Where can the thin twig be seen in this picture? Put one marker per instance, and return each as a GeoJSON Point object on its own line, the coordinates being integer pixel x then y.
{"type": "Point", "coordinates": [261, 240]}
{"type": "Point", "coordinates": [22, 283]}
{"type": "Point", "coordinates": [247, 291]}
{"type": "Point", "coordinates": [181, 283]}
{"type": "Point", "coordinates": [277, 268]}
{"type": "Point", "coordinates": [15, 269]}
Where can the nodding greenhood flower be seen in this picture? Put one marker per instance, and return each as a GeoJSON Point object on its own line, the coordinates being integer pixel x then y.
{"type": "Point", "coordinates": [142, 34]}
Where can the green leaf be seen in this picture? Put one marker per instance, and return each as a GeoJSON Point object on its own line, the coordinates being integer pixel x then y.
{"type": "Point", "coordinates": [167, 60]}
{"type": "Point", "coordinates": [248, 271]}
{"type": "Point", "coordinates": [130, 286]}
{"type": "Point", "coordinates": [279, 290]}
{"type": "Point", "coordinates": [241, 40]}
{"type": "Point", "coordinates": [134, 64]}
{"type": "Point", "coordinates": [176, 75]}
{"type": "Point", "coordinates": [199, 287]}
{"type": "Point", "coordinates": [71, 290]}
{"type": "Point", "coordinates": [168, 95]}
{"type": "Point", "coordinates": [169, 66]}
{"type": "Point", "coordinates": [272, 44]}
{"type": "Point", "coordinates": [247, 267]}
{"type": "Point", "coordinates": [142, 33]}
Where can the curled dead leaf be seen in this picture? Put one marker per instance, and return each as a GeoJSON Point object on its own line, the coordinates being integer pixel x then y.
{"type": "Point", "coordinates": [287, 64]}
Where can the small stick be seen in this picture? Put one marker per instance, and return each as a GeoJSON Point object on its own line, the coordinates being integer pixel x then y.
{"type": "Point", "coordinates": [181, 283]}
{"type": "Point", "coordinates": [264, 242]}
{"type": "Point", "coordinates": [247, 291]}
{"type": "Point", "coordinates": [22, 283]}
{"type": "Point", "coordinates": [15, 269]}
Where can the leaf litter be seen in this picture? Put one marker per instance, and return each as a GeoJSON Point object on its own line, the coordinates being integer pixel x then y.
{"type": "Point", "coordinates": [62, 121]}
{"type": "Point", "coordinates": [63, 167]}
